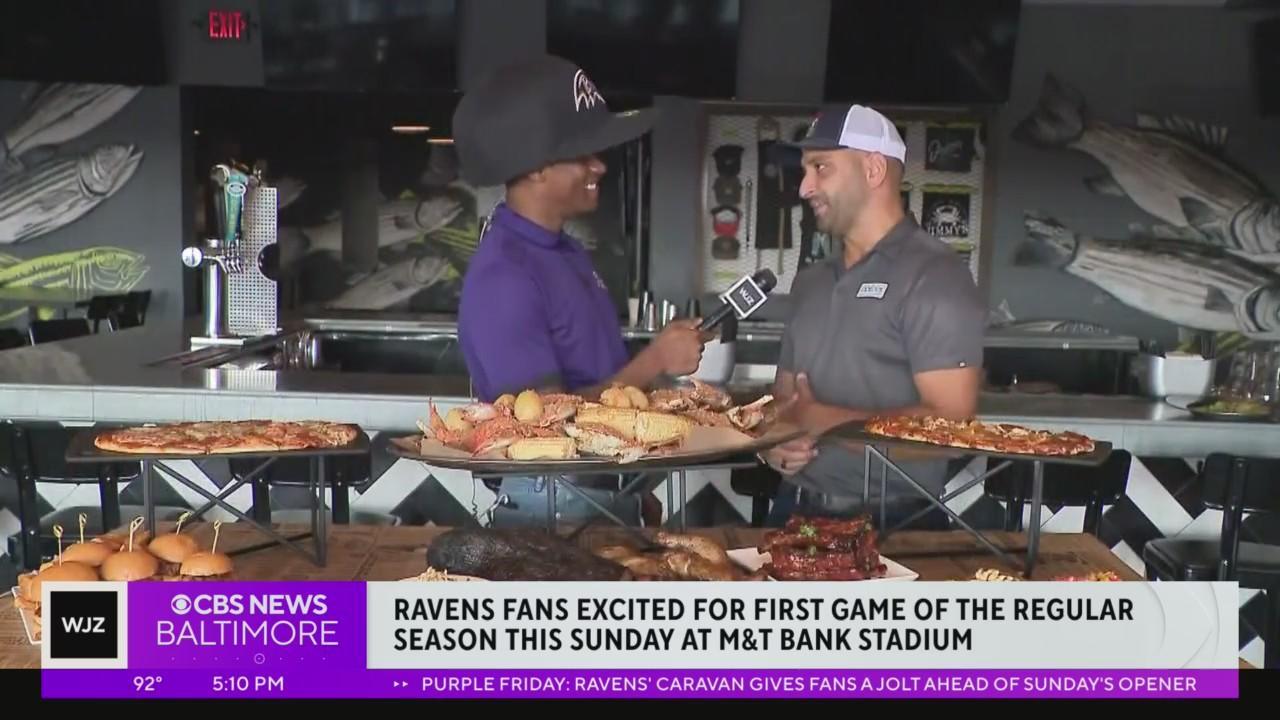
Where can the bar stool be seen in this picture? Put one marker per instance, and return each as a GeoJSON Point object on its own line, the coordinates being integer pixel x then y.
{"type": "Point", "coordinates": [42, 331]}
{"type": "Point", "coordinates": [119, 311]}
{"type": "Point", "coordinates": [10, 338]}
{"type": "Point", "coordinates": [761, 485]}
{"type": "Point", "coordinates": [1092, 488]}
{"type": "Point", "coordinates": [1235, 485]}
{"type": "Point", "coordinates": [33, 452]}
{"type": "Point", "coordinates": [341, 474]}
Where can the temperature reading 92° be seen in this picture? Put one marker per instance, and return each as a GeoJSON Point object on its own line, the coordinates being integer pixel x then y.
{"type": "Point", "coordinates": [146, 683]}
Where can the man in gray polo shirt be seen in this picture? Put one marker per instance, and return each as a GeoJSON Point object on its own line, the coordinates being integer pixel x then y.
{"type": "Point", "coordinates": [893, 324]}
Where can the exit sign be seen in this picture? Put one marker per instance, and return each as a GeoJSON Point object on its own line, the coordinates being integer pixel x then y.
{"type": "Point", "coordinates": [227, 25]}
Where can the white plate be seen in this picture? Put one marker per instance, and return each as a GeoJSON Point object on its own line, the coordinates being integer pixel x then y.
{"type": "Point", "coordinates": [753, 560]}
{"type": "Point", "coordinates": [28, 623]}
{"type": "Point", "coordinates": [452, 578]}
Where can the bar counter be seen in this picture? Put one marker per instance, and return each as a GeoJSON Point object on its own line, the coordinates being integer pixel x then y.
{"type": "Point", "coordinates": [113, 377]}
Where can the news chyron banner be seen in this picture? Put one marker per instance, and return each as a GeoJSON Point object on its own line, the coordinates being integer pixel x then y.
{"type": "Point", "coordinates": [502, 640]}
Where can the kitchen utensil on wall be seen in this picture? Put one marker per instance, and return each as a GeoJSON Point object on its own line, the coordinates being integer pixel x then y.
{"type": "Point", "coordinates": [725, 220]}
{"type": "Point", "coordinates": [808, 221]}
{"type": "Point", "coordinates": [769, 198]}
{"type": "Point", "coordinates": [728, 159]}
{"type": "Point", "coordinates": [782, 233]}
{"type": "Point", "coordinates": [727, 190]}
{"type": "Point", "coordinates": [724, 247]}
{"type": "Point", "coordinates": [750, 219]}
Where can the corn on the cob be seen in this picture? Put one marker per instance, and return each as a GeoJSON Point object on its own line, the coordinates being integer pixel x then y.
{"type": "Point", "coordinates": [621, 420]}
{"type": "Point", "coordinates": [660, 429]}
{"type": "Point", "coordinates": [553, 448]}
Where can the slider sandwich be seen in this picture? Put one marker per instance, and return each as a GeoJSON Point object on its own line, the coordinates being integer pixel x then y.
{"type": "Point", "coordinates": [173, 548]}
{"type": "Point", "coordinates": [132, 563]}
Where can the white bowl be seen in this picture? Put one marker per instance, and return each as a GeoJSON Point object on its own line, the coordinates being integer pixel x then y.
{"type": "Point", "coordinates": [1174, 374]}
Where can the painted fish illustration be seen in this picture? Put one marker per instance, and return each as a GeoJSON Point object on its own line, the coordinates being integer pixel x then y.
{"type": "Point", "coordinates": [61, 190]}
{"type": "Point", "coordinates": [60, 112]}
{"type": "Point", "coordinates": [442, 167]}
{"type": "Point", "coordinates": [105, 268]}
{"type": "Point", "coordinates": [1170, 167]}
{"type": "Point", "coordinates": [288, 189]}
{"type": "Point", "coordinates": [1058, 327]}
{"type": "Point", "coordinates": [1191, 284]}
{"type": "Point", "coordinates": [393, 284]}
{"type": "Point", "coordinates": [398, 221]}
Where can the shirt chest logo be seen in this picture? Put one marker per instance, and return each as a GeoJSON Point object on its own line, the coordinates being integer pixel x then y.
{"type": "Point", "coordinates": [873, 290]}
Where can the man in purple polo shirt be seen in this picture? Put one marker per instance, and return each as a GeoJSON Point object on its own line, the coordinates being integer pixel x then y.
{"type": "Point", "coordinates": [534, 313]}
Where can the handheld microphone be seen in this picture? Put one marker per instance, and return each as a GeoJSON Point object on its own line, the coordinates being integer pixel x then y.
{"type": "Point", "coordinates": [742, 298]}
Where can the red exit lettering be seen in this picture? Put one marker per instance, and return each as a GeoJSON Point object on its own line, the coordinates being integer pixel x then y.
{"type": "Point", "coordinates": [227, 24]}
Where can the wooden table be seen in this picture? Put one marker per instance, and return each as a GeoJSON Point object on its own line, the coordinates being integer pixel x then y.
{"type": "Point", "coordinates": [370, 553]}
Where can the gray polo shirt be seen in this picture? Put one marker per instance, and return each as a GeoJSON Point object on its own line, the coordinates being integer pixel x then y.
{"type": "Point", "coordinates": [861, 333]}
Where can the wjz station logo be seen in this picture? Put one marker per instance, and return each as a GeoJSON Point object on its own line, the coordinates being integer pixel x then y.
{"type": "Point", "coordinates": [83, 625]}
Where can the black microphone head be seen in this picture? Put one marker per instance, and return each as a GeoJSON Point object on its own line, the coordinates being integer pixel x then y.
{"type": "Point", "coordinates": [766, 280]}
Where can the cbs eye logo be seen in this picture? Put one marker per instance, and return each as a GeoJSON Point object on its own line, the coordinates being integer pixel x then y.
{"type": "Point", "coordinates": [83, 625]}
{"type": "Point", "coordinates": [180, 605]}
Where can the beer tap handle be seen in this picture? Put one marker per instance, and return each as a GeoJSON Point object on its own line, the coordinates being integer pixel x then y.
{"type": "Point", "coordinates": [232, 185]}
{"type": "Point", "coordinates": [192, 256]}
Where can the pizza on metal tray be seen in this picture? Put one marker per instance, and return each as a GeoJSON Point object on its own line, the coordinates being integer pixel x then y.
{"type": "Point", "coordinates": [973, 434]}
{"type": "Point", "coordinates": [222, 437]}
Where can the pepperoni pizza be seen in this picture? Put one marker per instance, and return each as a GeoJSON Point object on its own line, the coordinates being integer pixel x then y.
{"type": "Point", "coordinates": [976, 435]}
{"type": "Point", "coordinates": [209, 438]}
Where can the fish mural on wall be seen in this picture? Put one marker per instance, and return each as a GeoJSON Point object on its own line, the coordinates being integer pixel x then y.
{"type": "Point", "coordinates": [1172, 168]}
{"type": "Point", "coordinates": [57, 113]}
{"type": "Point", "coordinates": [1210, 263]}
{"type": "Point", "coordinates": [1188, 283]}
{"type": "Point", "coordinates": [399, 221]}
{"type": "Point", "coordinates": [105, 269]}
{"type": "Point", "coordinates": [393, 284]}
{"type": "Point", "coordinates": [61, 190]}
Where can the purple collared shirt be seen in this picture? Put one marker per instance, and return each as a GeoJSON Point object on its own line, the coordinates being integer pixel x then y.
{"type": "Point", "coordinates": [534, 311]}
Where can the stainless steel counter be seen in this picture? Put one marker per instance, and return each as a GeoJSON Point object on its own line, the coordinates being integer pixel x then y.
{"type": "Point", "coordinates": [113, 377]}
{"type": "Point", "coordinates": [1142, 426]}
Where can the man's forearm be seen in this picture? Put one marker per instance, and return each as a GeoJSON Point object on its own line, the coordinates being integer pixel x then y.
{"type": "Point", "coordinates": [640, 372]}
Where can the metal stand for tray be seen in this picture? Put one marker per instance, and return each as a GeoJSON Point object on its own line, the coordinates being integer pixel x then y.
{"type": "Point", "coordinates": [678, 474]}
{"type": "Point", "coordinates": [82, 450]}
{"type": "Point", "coordinates": [556, 473]}
{"type": "Point", "coordinates": [873, 444]}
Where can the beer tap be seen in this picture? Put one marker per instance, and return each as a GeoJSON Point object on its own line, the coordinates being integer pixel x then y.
{"type": "Point", "coordinates": [221, 254]}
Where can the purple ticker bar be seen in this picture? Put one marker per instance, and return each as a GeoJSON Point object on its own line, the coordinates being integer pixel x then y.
{"type": "Point", "coordinates": [238, 681]}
